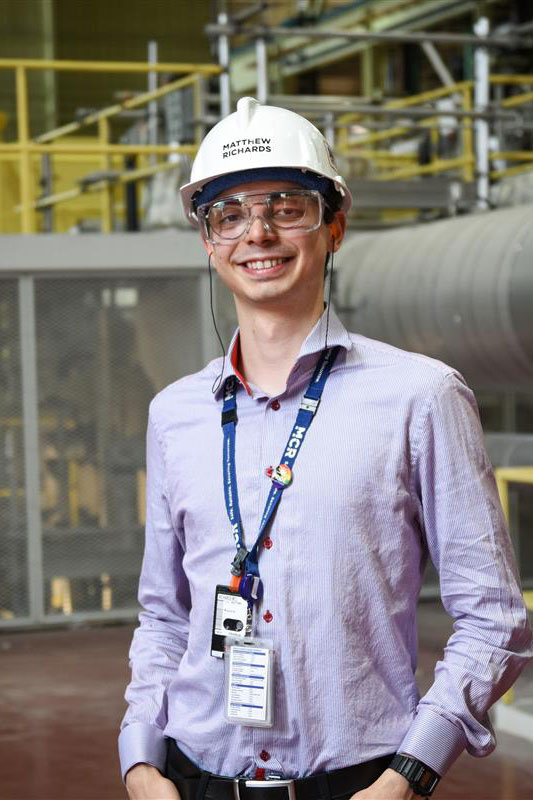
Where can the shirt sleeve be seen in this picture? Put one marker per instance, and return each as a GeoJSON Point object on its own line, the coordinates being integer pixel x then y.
{"type": "Point", "coordinates": [161, 638]}
{"type": "Point", "coordinates": [465, 530]}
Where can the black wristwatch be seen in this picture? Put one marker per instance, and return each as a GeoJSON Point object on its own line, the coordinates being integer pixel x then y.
{"type": "Point", "coordinates": [422, 779]}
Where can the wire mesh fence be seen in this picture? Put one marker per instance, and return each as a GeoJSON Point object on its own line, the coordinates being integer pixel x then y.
{"type": "Point", "coordinates": [103, 349]}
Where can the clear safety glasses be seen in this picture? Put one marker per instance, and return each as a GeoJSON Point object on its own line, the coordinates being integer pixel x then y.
{"type": "Point", "coordinates": [231, 217]}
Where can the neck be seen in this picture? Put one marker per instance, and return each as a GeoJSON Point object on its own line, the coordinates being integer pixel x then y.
{"type": "Point", "coordinates": [270, 341]}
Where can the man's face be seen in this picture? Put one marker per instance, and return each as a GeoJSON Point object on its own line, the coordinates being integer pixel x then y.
{"type": "Point", "coordinates": [269, 267]}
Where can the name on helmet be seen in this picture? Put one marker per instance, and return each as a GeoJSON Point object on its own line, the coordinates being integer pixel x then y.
{"type": "Point", "coordinates": [241, 146]}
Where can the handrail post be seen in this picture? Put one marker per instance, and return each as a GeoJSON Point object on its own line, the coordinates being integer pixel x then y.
{"type": "Point", "coordinates": [467, 140]}
{"type": "Point", "coordinates": [153, 122]}
{"type": "Point", "coordinates": [199, 108]}
{"type": "Point", "coordinates": [106, 198]}
{"type": "Point", "coordinates": [47, 176]}
{"type": "Point", "coordinates": [25, 165]}
{"type": "Point", "coordinates": [223, 60]}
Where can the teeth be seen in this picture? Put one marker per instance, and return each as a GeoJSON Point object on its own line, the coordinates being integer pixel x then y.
{"type": "Point", "coordinates": [268, 263]}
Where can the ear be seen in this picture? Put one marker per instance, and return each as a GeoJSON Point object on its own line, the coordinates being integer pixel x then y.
{"type": "Point", "coordinates": [337, 230]}
{"type": "Point", "coordinates": [208, 247]}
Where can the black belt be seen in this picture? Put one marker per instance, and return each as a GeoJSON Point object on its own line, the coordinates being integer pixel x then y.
{"type": "Point", "coordinates": [195, 784]}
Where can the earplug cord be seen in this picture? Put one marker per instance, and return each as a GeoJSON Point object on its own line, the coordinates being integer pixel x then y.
{"type": "Point", "coordinates": [329, 294]}
{"type": "Point", "coordinates": [218, 379]}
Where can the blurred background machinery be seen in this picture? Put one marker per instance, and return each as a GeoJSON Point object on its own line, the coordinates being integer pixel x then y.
{"type": "Point", "coordinates": [104, 294]}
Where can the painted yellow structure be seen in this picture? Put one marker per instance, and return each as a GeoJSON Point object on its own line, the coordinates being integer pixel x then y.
{"type": "Point", "coordinates": [464, 163]}
{"type": "Point", "coordinates": [25, 151]}
{"type": "Point", "coordinates": [505, 476]}
{"type": "Point", "coordinates": [73, 157]}
{"type": "Point", "coordinates": [68, 168]}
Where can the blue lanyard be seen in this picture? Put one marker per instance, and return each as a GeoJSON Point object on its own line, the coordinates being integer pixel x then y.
{"type": "Point", "coordinates": [245, 560]}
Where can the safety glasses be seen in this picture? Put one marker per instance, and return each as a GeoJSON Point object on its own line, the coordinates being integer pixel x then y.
{"type": "Point", "coordinates": [231, 217]}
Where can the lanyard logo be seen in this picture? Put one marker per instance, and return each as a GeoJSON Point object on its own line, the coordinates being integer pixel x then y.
{"type": "Point", "coordinates": [294, 442]}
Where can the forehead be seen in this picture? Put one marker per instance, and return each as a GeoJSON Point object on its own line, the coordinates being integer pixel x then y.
{"type": "Point", "coordinates": [260, 187]}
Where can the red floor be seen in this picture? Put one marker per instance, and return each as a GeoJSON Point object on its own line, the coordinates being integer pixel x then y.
{"type": "Point", "coordinates": [61, 701]}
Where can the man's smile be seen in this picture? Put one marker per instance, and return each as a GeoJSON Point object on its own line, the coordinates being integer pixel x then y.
{"type": "Point", "coordinates": [263, 266]}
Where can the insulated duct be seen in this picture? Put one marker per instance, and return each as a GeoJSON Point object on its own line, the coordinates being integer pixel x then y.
{"type": "Point", "coordinates": [460, 290]}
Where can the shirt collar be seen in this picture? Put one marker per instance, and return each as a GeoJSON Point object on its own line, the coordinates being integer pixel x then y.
{"type": "Point", "coordinates": [314, 343]}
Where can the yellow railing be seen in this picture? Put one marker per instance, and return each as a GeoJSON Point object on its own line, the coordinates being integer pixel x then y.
{"type": "Point", "coordinates": [25, 149]}
{"type": "Point", "coordinates": [504, 477]}
{"type": "Point", "coordinates": [513, 102]}
{"type": "Point", "coordinates": [462, 91]}
{"type": "Point", "coordinates": [362, 146]}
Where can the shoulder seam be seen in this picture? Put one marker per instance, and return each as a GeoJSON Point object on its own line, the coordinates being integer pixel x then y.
{"type": "Point", "coordinates": [420, 358]}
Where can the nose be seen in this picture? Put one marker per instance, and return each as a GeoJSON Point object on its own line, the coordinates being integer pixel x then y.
{"type": "Point", "coordinates": [258, 229]}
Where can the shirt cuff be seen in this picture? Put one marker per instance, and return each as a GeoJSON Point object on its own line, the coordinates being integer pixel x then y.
{"type": "Point", "coordinates": [140, 743]}
{"type": "Point", "coordinates": [434, 740]}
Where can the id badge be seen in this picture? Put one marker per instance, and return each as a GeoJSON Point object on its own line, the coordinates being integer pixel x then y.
{"type": "Point", "coordinates": [249, 682]}
{"type": "Point", "coordinates": [230, 618]}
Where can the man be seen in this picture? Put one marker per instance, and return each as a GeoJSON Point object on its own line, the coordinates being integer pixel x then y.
{"type": "Point", "coordinates": [322, 584]}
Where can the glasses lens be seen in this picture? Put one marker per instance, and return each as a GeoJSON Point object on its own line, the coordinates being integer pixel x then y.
{"type": "Point", "coordinates": [291, 210]}
{"type": "Point", "coordinates": [230, 217]}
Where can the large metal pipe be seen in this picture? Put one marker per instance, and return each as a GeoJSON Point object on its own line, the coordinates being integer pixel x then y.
{"type": "Point", "coordinates": [510, 41]}
{"type": "Point", "coordinates": [460, 290]}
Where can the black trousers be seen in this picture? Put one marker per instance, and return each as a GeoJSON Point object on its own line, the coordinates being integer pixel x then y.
{"type": "Point", "coordinates": [195, 784]}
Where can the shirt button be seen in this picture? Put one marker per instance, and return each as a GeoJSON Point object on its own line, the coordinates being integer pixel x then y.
{"type": "Point", "coordinates": [264, 756]}
{"type": "Point", "coordinates": [267, 542]}
{"type": "Point", "coordinates": [268, 616]}
{"type": "Point", "coordinates": [275, 405]}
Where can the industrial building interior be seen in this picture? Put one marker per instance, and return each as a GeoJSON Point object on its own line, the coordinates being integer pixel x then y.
{"type": "Point", "coordinates": [428, 108]}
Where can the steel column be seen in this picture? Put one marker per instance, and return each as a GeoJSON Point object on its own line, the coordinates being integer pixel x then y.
{"type": "Point", "coordinates": [152, 105]}
{"type": "Point", "coordinates": [261, 59]}
{"type": "Point", "coordinates": [481, 100]}
{"type": "Point", "coordinates": [223, 60]}
{"type": "Point", "coordinates": [30, 413]}
{"type": "Point", "coordinates": [25, 177]}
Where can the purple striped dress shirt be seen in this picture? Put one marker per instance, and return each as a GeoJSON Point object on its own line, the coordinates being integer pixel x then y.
{"type": "Point", "coordinates": [393, 468]}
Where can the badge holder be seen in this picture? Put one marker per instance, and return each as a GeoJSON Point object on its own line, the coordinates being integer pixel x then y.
{"type": "Point", "coordinates": [249, 682]}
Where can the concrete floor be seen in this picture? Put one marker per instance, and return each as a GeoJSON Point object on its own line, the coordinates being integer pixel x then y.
{"type": "Point", "coordinates": [61, 702]}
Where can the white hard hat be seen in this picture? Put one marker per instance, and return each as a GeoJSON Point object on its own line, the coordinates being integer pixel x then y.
{"type": "Point", "coordinates": [256, 137]}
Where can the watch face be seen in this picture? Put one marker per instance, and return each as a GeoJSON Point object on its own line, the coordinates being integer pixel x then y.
{"type": "Point", "coordinates": [426, 783]}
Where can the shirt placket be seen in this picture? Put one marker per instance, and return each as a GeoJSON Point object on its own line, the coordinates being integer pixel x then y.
{"type": "Point", "coordinates": [268, 615]}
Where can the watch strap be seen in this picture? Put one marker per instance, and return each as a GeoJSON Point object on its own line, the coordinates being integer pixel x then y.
{"type": "Point", "coordinates": [422, 779]}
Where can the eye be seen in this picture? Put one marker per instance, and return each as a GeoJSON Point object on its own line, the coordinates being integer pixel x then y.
{"type": "Point", "coordinates": [225, 215]}
{"type": "Point", "coordinates": [228, 217]}
{"type": "Point", "coordinates": [288, 207]}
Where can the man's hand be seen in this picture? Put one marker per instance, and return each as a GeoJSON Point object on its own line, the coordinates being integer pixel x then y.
{"type": "Point", "coordinates": [145, 782]}
{"type": "Point", "coordinates": [389, 786]}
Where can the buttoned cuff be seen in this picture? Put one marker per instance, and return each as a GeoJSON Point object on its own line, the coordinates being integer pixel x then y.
{"type": "Point", "coordinates": [434, 740]}
{"type": "Point", "coordinates": [140, 743]}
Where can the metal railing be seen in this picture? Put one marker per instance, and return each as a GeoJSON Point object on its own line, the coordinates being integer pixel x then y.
{"type": "Point", "coordinates": [417, 113]}
{"type": "Point", "coordinates": [25, 149]}
{"type": "Point", "coordinates": [462, 92]}
{"type": "Point", "coordinates": [504, 477]}
{"type": "Point", "coordinates": [430, 121]}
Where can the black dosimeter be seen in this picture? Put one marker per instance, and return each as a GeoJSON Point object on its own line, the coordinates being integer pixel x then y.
{"type": "Point", "coordinates": [229, 619]}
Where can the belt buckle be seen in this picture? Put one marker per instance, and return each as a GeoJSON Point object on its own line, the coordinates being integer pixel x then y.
{"type": "Point", "coordinates": [268, 784]}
